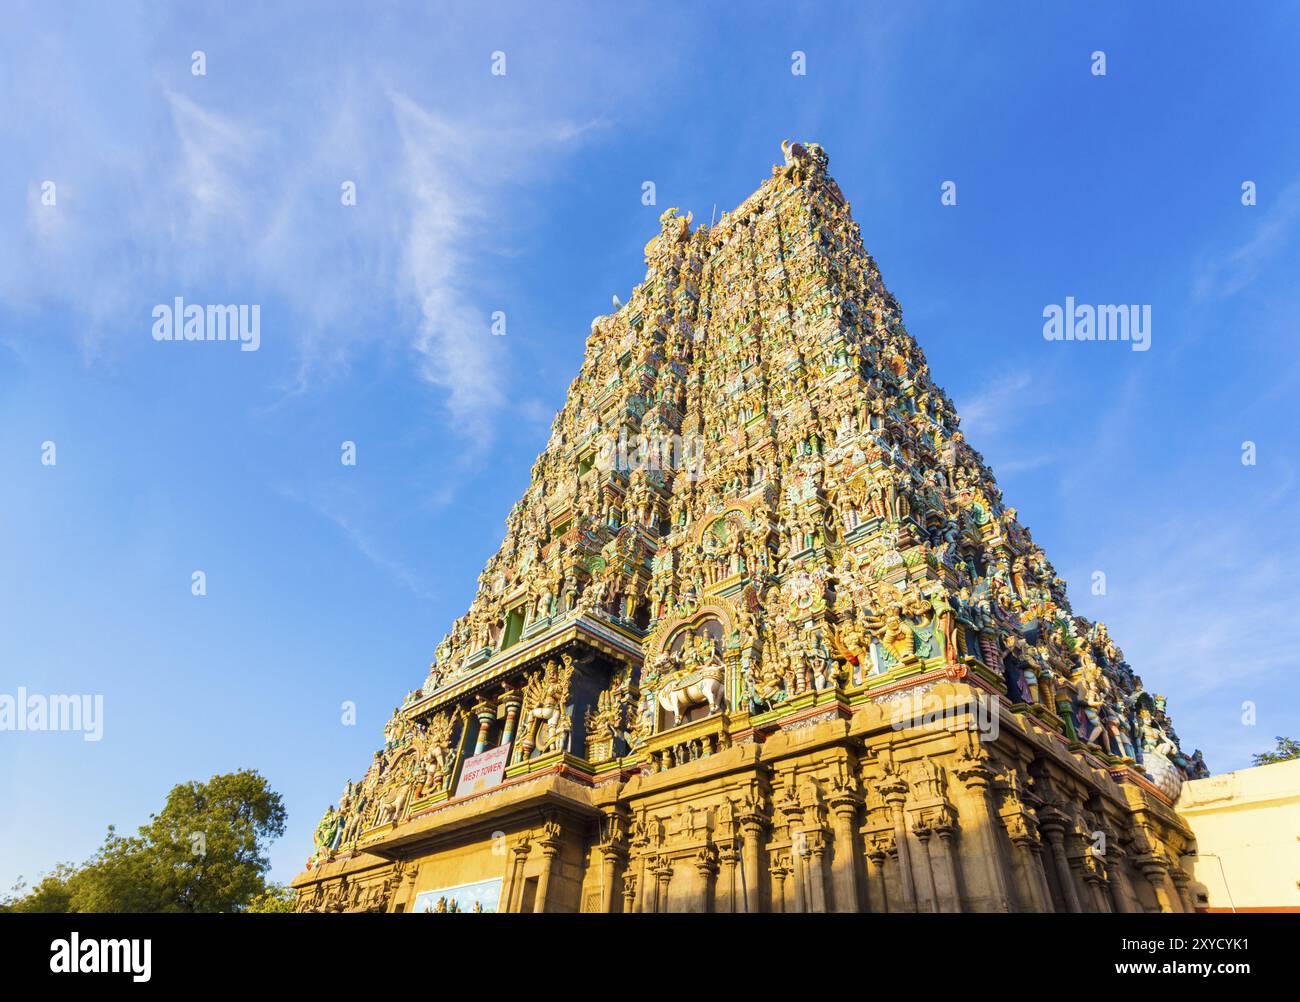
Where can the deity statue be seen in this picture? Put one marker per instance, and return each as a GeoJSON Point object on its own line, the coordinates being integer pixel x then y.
{"type": "Point", "coordinates": [326, 835]}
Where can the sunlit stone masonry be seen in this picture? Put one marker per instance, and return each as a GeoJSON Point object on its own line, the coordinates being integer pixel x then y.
{"type": "Point", "coordinates": [764, 636]}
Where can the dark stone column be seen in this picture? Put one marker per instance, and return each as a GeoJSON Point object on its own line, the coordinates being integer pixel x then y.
{"type": "Point", "coordinates": [895, 794]}
{"type": "Point", "coordinates": [1053, 823]}
{"type": "Point", "coordinates": [706, 862]}
{"type": "Point", "coordinates": [879, 894]}
{"type": "Point", "coordinates": [752, 827]}
{"type": "Point", "coordinates": [946, 832]}
{"type": "Point", "coordinates": [928, 899]}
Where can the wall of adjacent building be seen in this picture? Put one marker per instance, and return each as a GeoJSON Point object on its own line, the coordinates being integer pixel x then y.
{"type": "Point", "coordinates": [1247, 827]}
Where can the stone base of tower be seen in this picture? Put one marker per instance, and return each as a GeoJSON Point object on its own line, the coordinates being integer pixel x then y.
{"type": "Point", "coordinates": [941, 797]}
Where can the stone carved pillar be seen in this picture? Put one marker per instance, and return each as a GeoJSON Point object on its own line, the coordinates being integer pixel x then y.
{"type": "Point", "coordinates": [796, 891]}
{"type": "Point", "coordinates": [1086, 863]}
{"type": "Point", "coordinates": [1157, 885]}
{"type": "Point", "coordinates": [878, 894]}
{"type": "Point", "coordinates": [1092, 868]}
{"type": "Point", "coordinates": [663, 874]}
{"type": "Point", "coordinates": [1101, 890]}
{"type": "Point", "coordinates": [1121, 891]}
{"type": "Point", "coordinates": [485, 712]}
{"type": "Point", "coordinates": [752, 827]}
{"type": "Point", "coordinates": [779, 873]}
{"type": "Point", "coordinates": [844, 868]}
{"type": "Point", "coordinates": [895, 794]}
{"type": "Point", "coordinates": [1156, 870]}
{"type": "Point", "coordinates": [706, 862]}
{"type": "Point", "coordinates": [614, 857]}
{"type": "Point", "coordinates": [650, 889]}
{"type": "Point", "coordinates": [1039, 849]}
{"type": "Point", "coordinates": [1094, 884]}
{"type": "Point", "coordinates": [729, 857]}
{"type": "Point", "coordinates": [1175, 902]}
{"type": "Point", "coordinates": [798, 873]}
{"type": "Point", "coordinates": [928, 899]}
{"type": "Point", "coordinates": [1034, 895]}
{"type": "Point", "coordinates": [613, 860]}
{"type": "Point", "coordinates": [550, 846]}
{"type": "Point", "coordinates": [895, 886]}
{"type": "Point", "coordinates": [817, 870]}
{"type": "Point", "coordinates": [1183, 884]}
{"type": "Point", "coordinates": [1053, 823]}
{"type": "Point", "coordinates": [975, 774]}
{"type": "Point", "coordinates": [513, 890]}
{"type": "Point", "coordinates": [512, 700]}
{"type": "Point", "coordinates": [641, 879]}
{"type": "Point", "coordinates": [946, 830]}
{"type": "Point", "coordinates": [629, 892]}
{"type": "Point", "coordinates": [645, 889]}
{"type": "Point", "coordinates": [405, 893]}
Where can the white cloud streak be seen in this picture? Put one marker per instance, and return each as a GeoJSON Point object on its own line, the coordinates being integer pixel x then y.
{"type": "Point", "coordinates": [1226, 275]}
{"type": "Point", "coordinates": [249, 200]}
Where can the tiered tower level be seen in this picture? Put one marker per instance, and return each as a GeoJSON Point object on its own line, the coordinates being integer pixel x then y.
{"type": "Point", "coordinates": [763, 635]}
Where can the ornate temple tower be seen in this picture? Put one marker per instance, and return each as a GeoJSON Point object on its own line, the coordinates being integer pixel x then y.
{"type": "Point", "coordinates": [763, 636]}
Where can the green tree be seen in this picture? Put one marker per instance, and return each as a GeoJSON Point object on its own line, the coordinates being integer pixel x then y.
{"type": "Point", "coordinates": [276, 898]}
{"type": "Point", "coordinates": [208, 844]}
{"type": "Point", "coordinates": [118, 878]}
{"type": "Point", "coordinates": [1286, 750]}
{"type": "Point", "coordinates": [205, 851]}
{"type": "Point", "coordinates": [52, 894]}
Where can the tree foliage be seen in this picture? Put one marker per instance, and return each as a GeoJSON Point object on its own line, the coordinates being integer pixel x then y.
{"type": "Point", "coordinates": [52, 894]}
{"type": "Point", "coordinates": [1286, 750]}
{"type": "Point", "coordinates": [276, 898]}
{"type": "Point", "coordinates": [205, 851]}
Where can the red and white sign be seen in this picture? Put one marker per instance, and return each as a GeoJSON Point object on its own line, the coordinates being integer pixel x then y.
{"type": "Point", "coordinates": [482, 772]}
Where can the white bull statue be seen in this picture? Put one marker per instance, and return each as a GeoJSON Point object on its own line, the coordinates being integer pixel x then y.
{"type": "Point", "coordinates": [701, 685]}
{"type": "Point", "coordinates": [391, 804]}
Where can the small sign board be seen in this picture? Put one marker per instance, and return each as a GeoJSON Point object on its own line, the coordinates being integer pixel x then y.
{"type": "Point", "coordinates": [482, 772]}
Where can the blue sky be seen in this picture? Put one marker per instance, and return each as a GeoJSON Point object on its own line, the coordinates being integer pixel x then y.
{"type": "Point", "coordinates": [522, 193]}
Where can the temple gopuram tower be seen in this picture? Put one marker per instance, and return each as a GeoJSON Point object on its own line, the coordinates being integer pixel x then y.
{"type": "Point", "coordinates": [764, 636]}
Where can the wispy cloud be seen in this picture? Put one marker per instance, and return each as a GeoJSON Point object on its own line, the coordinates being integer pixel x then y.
{"type": "Point", "coordinates": [1226, 275]}
{"type": "Point", "coordinates": [331, 507]}
{"type": "Point", "coordinates": [1197, 607]}
{"type": "Point", "coordinates": [245, 196]}
{"type": "Point", "coordinates": [210, 177]}
{"type": "Point", "coordinates": [994, 416]}
{"type": "Point", "coordinates": [988, 413]}
{"type": "Point", "coordinates": [1195, 592]}
{"type": "Point", "coordinates": [448, 195]}
{"type": "Point", "coordinates": [455, 176]}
